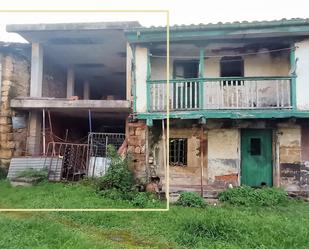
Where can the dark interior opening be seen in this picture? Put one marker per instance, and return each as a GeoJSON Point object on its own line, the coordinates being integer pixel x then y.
{"type": "Point", "coordinates": [76, 128]}
{"type": "Point", "coordinates": [232, 66]}
{"type": "Point", "coordinates": [186, 69]}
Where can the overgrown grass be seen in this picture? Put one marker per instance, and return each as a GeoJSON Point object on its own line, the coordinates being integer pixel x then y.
{"type": "Point", "coordinates": [224, 226]}
{"type": "Point", "coordinates": [248, 196]}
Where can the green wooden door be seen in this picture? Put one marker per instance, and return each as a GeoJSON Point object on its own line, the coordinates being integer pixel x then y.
{"type": "Point", "coordinates": [256, 157]}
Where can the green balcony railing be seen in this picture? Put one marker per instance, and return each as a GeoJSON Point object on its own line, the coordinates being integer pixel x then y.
{"type": "Point", "coordinates": [221, 93]}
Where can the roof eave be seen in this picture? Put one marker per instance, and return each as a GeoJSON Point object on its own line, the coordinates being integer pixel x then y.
{"type": "Point", "coordinates": [155, 35]}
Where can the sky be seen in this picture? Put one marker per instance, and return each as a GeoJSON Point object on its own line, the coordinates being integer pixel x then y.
{"type": "Point", "coordinates": [181, 12]}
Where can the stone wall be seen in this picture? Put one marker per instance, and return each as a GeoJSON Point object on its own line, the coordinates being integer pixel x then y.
{"type": "Point", "coordinates": [136, 138]}
{"type": "Point", "coordinates": [15, 83]}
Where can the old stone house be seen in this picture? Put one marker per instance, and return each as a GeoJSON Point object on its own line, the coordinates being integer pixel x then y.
{"type": "Point", "coordinates": [237, 98]}
{"type": "Point", "coordinates": [238, 104]}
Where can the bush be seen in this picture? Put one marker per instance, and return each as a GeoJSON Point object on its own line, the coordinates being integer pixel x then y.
{"type": "Point", "coordinates": [191, 199]}
{"type": "Point", "coordinates": [248, 196]}
{"type": "Point", "coordinates": [144, 199]}
{"type": "Point", "coordinates": [34, 173]}
{"type": "Point", "coordinates": [118, 175]}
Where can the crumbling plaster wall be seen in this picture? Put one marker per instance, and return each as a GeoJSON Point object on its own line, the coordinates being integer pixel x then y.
{"type": "Point", "coordinates": [264, 64]}
{"type": "Point", "coordinates": [304, 170]}
{"type": "Point", "coordinates": [181, 177]}
{"type": "Point", "coordinates": [158, 68]}
{"type": "Point", "coordinates": [15, 83]}
{"type": "Point", "coordinates": [289, 139]}
{"type": "Point", "coordinates": [223, 157]}
{"type": "Point", "coordinates": [140, 78]}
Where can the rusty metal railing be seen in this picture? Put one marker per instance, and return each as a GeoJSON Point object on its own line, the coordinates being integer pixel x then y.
{"type": "Point", "coordinates": [67, 161]}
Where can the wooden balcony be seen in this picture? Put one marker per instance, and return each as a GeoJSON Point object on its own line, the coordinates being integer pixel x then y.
{"type": "Point", "coordinates": [221, 93]}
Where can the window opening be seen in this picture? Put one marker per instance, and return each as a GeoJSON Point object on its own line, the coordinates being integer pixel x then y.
{"type": "Point", "coordinates": [178, 152]}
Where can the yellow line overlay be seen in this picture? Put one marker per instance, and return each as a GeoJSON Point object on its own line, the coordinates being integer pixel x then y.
{"type": "Point", "coordinates": [167, 121]}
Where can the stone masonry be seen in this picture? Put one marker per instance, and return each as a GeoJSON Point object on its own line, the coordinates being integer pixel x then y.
{"type": "Point", "coordinates": [137, 147]}
{"type": "Point", "coordinates": [15, 82]}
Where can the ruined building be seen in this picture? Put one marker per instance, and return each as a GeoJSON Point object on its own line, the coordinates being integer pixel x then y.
{"type": "Point", "coordinates": [237, 98]}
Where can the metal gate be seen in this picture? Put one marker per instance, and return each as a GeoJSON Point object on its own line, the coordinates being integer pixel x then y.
{"type": "Point", "coordinates": [97, 157]}
{"type": "Point", "coordinates": [70, 160]}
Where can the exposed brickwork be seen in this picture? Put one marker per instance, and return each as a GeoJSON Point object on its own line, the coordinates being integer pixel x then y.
{"type": "Point", "coordinates": [136, 147]}
{"type": "Point", "coordinates": [231, 178]}
{"type": "Point", "coordinates": [290, 156]}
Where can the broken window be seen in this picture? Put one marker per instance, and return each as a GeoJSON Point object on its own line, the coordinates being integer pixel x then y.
{"type": "Point", "coordinates": [178, 152]}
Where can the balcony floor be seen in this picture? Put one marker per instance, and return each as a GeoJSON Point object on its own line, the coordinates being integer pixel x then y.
{"type": "Point", "coordinates": [107, 106]}
{"type": "Point", "coordinates": [227, 114]}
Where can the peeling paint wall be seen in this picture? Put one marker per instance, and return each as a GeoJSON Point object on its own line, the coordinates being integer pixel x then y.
{"type": "Point", "coordinates": [129, 72]}
{"type": "Point", "coordinates": [141, 76]}
{"type": "Point", "coordinates": [289, 140]}
{"type": "Point", "coordinates": [181, 177]}
{"type": "Point", "coordinates": [266, 64]}
{"type": "Point", "coordinates": [222, 153]}
{"type": "Point", "coordinates": [304, 170]}
{"type": "Point", "coordinates": [223, 157]}
{"type": "Point", "coordinates": [254, 65]}
{"type": "Point", "coordinates": [158, 68]}
{"type": "Point", "coordinates": [302, 72]}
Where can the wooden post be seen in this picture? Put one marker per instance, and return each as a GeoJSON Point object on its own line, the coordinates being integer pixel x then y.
{"type": "Point", "coordinates": [50, 126]}
{"type": "Point", "coordinates": [293, 79]}
{"type": "Point", "coordinates": [51, 132]}
{"type": "Point", "coordinates": [201, 75]}
{"type": "Point", "coordinates": [147, 81]}
{"type": "Point", "coordinates": [165, 158]}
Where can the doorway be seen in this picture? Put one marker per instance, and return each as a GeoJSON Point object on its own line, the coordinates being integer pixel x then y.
{"type": "Point", "coordinates": [256, 157]}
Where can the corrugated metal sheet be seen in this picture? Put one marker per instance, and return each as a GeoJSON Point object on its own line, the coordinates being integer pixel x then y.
{"type": "Point", "coordinates": [19, 164]}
